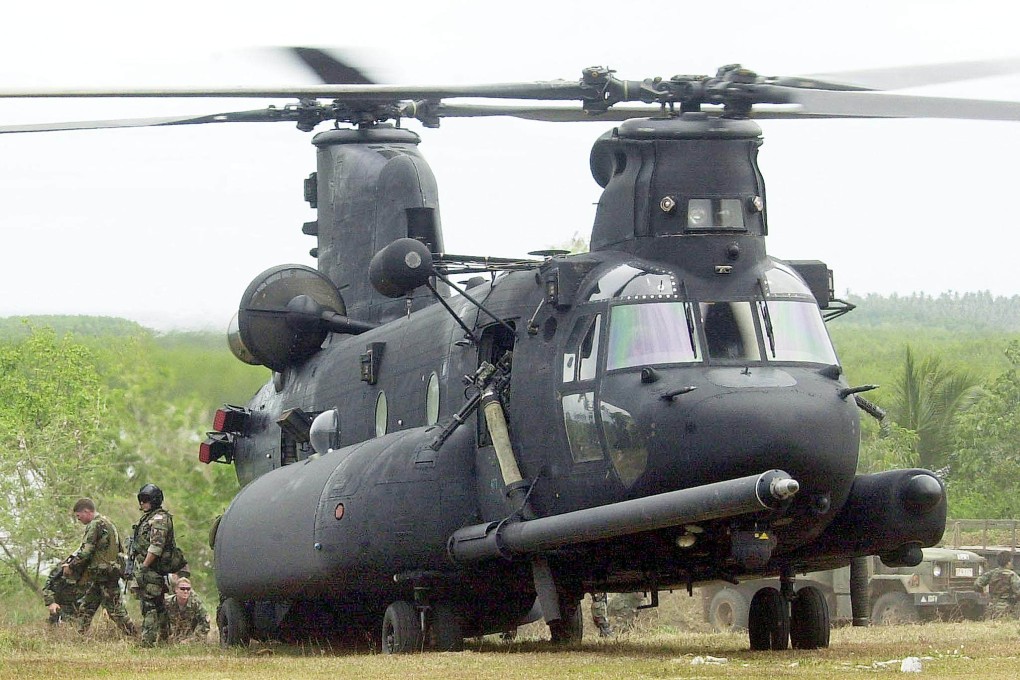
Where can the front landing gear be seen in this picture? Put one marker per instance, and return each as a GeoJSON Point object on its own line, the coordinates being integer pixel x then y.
{"type": "Point", "coordinates": [780, 618]}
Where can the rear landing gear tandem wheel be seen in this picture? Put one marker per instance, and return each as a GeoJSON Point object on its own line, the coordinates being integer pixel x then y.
{"type": "Point", "coordinates": [809, 620]}
{"type": "Point", "coordinates": [768, 621]}
{"type": "Point", "coordinates": [401, 629]}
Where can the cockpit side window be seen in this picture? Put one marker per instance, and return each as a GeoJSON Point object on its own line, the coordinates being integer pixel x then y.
{"type": "Point", "coordinates": [581, 356]}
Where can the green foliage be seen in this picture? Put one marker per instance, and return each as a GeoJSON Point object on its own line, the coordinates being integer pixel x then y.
{"type": "Point", "coordinates": [987, 459]}
{"type": "Point", "coordinates": [55, 441]}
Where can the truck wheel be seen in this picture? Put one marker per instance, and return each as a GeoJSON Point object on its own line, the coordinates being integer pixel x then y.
{"type": "Point", "coordinates": [728, 610]}
{"type": "Point", "coordinates": [894, 608]}
{"type": "Point", "coordinates": [809, 620]}
{"type": "Point", "coordinates": [401, 629]}
{"type": "Point", "coordinates": [233, 623]}
{"type": "Point", "coordinates": [768, 621]}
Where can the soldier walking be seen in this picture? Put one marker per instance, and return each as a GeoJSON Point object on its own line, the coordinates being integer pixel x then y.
{"type": "Point", "coordinates": [98, 563]}
{"type": "Point", "coordinates": [1003, 587]}
{"type": "Point", "coordinates": [152, 535]}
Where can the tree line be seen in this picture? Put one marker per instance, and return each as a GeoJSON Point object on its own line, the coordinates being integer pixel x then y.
{"type": "Point", "coordinates": [98, 407]}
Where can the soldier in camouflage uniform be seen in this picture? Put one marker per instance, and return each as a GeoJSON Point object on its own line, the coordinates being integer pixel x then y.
{"type": "Point", "coordinates": [600, 613]}
{"type": "Point", "coordinates": [152, 534]}
{"type": "Point", "coordinates": [1003, 587]}
{"type": "Point", "coordinates": [188, 620]}
{"type": "Point", "coordinates": [98, 563]}
{"type": "Point", "coordinates": [61, 595]}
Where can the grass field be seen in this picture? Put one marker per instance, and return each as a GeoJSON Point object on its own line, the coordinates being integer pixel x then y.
{"type": "Point", "coordinates": [656, 649]}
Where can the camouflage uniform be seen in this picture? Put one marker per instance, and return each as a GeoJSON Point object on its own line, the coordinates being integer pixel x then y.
{"type": "Point", "coordinates": [99, 559]}
{"type": "Point", "coordinates": [152, 534]}
{"type": "Point", "coordinates": [64, 591]}
{"type": "Point", "coordinates": [1003, 591]}
{"type": "Point", "coordinates": [188, 622]}
{"type": "Point", "coordinates": [623, 609]}
{"type": "Point", "coordinates": [600, 614]}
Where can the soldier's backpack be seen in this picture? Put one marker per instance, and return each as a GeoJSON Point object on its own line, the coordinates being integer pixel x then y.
{"type": "Point", "coordinates": [172, 559]}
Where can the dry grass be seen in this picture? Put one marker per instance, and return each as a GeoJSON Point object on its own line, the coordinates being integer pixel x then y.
{"type": "Point", "coordinates": [670, 642]}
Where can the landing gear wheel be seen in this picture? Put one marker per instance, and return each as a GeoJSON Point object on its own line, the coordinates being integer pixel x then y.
{"type": "Point", "coordinates": [570, 628]}
{"type": "Point", "coordinates": [728, 610]}
{"type": "Point", "coordinates": [893, 608]}
{"type": "Point", "coordinates": [768, 621]}
{"type": "Point", "coordinates": [809, 620]}
{"type": "Point", "coordinates": [401, 629]}
{"type": "Point", "coordinates": [233, 623]}
{"type": "Point", "coordinates": [446, 634]}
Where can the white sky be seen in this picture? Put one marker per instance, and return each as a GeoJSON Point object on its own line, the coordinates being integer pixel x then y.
{"type": "Point", "coordinates": [167, 226]}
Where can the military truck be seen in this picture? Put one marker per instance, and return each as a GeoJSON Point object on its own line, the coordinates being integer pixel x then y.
{"type": "Point", "coordinates": [986, 537]}
{"type": "Point", "coordinates": [941, 586]}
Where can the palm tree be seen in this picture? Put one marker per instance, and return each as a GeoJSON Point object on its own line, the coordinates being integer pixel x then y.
{"type": "Point", "coordinates": [929, 398]}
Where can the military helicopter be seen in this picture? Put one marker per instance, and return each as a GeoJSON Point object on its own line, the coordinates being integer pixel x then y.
{"type": "Point", "coordinates": [437, 459]}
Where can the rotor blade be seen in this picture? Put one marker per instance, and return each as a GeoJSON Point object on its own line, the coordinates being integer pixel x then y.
{"type": "Point", "coordinates": [564, 114]}
{"type": "Point", "coordinates": [881, 105]}
{"type": "Point", "coordinates": [329, 68]}
{"type": "Point", "coordinates": [898, 78]}
{"type": "Point", "coordinates": [270, 115]}
{"type": "Point", "coordinates": [541, 90]}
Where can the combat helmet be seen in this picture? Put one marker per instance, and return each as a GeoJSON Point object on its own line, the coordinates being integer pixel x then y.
{"type": "Point", "coordinates": [150, 493]}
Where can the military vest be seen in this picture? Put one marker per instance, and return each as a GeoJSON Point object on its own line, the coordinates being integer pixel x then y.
{"type": "Point", "coordinates": [1000, 585]}
{"type": "Point", "coordinates": [107, 545]}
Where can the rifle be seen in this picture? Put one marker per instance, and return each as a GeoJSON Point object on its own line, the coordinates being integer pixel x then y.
{"type": "Point", "coordinates": [129, 565]}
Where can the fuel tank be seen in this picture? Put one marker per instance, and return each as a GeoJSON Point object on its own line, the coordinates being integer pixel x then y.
{"type": "Point", "coordinates": [342, 525]}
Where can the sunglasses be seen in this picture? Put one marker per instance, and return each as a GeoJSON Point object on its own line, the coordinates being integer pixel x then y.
{"type": "Point", "coordinates": [184, 588]}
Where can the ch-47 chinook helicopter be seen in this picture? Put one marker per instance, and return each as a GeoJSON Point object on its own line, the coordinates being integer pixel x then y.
{"type": "Point", "coordinates": [436, 460]}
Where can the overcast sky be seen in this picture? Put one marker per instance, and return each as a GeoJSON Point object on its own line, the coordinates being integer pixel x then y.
{"type": "Point", "coordinates": [168, 226]}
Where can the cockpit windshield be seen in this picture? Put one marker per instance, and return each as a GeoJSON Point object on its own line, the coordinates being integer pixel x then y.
{"type": "Point", "coordinates": [677, 332]}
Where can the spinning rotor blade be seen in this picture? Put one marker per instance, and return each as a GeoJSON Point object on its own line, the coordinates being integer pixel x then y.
{"type": "Point", "coordinates": [901, 77]}
{"type": "Point", "coordinates": [270, 115]}
{"type": "Point", "coordinates": [881, 105]}
{"type": "Point", "coordinates": [329, 68]}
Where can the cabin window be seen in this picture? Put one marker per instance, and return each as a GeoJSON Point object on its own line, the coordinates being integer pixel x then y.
{"type": "Point", "coordinates": [729, 330]}
{"type": "Point", "coordinates": [381, 414]}
{"type": "Point", "coordinates": [626, 446]}
{"type": "Point", "coordinates": [652, 333]}
{"type": "Point", "coordinates": [798, 332]}
{"type": "Point", "coordinates": [432, 400]}
{"type": "Point", "coordinates": [582, 432]}
{"type": "Point", "coordinates": [581, 357]}
{"type": "Point", "coordinates": [324, 433]}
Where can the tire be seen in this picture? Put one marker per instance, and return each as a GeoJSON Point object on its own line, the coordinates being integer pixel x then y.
{"type": "Point", "coordinates": [233, 623]}
{"type": "Point", "coordinates": [894, 608]}
{"type": "Point", "coordinates": [445, 633]}
{"type": "Point", "coordinates": [569, 629]}
{"type": "Point", "coordinates": [768, 621]}
{"type": "Point", "coordinates": [401, 629]}
{"type": "Point", "coordinates": [727, 611]}
{"type": "Point", "coordinates": [809, 620]}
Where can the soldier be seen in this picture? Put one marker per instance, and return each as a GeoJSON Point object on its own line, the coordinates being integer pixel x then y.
{"type": "Point", "coordinates": [1003, 587]}
{"type": "Point", "coordinates": [152, 534]}
{"type": "Point", "coordinates": [188, 620]}
{"type": "Point", "coordinates": [600, 614]}
{"type": "Point", "coordinates": [98, 563]}
{"type": "Point", "coordinates": [61, 595]}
